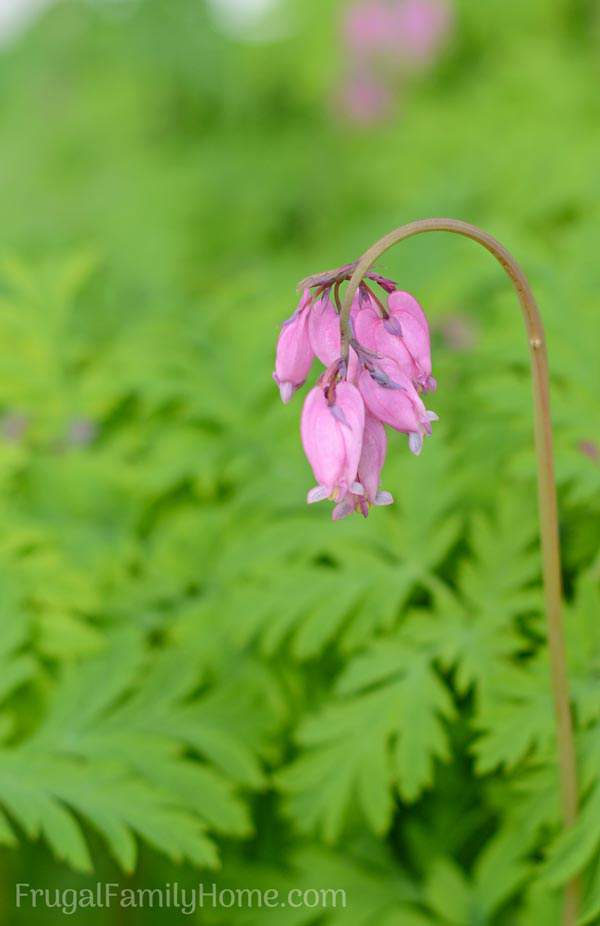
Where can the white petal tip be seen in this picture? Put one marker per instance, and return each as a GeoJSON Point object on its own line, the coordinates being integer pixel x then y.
{"type": "Point", "coordinates": [384, 498]}
{"type": "Point", "coordinates": [318, 494]}
{"type": "Point", "coordinates": [415, 443]}
{"type": "Point", "coordinates": [431, 416]}
{"type": "Point", "coordinates": [357, 489]}
{"type": "Point", "coordinates": [286, 391]}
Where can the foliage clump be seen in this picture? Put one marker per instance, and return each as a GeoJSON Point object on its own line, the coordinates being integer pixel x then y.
{"type": "Point", "coordinates": [196, 669]}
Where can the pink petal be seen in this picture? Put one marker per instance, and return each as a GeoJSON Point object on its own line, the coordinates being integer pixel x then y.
{"type": "Point", "coordinates": [294, 352]}
{"type": "Point", "coordinates": [322, 440]}
{"type": "Point", "coordinates": [372, 456]}
{"type": "Point", "coordinates": [401, 408]}
{"type": "Point", "coordinates": [324, 331]}
{"type": "Point", "coordinates": [399, 301]}
{"type": "Point", "coordinates": [343, 508]}
{"type": "Point", "coordinates": [332, 436]}
{"type": "Point", "coordinates": [349, 400]}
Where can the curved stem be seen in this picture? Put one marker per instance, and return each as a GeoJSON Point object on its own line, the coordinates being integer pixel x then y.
{"type": "Point", "coordinates": [548, 511]}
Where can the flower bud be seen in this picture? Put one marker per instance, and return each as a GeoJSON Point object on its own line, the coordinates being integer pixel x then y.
{"type": "Point", "coordinates": [332, 435]}
{"type": "Point", "coordinates": [390, 396]}
{"type": "Point", "coordinates": [404, 336]}
{"type": "Point", "coordinates": [372, 458]}
{"type": "Point", "coordinates": [294, 352]}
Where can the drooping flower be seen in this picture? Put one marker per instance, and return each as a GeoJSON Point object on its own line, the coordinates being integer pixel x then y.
{"type": "Point", "coordinates": [372, 458]}
{"type": "Point", "coordinates": [390, 396]}
{"type": "Point", "coordinates": [294, 352]}
{"type": "Point", "coordinates": [333, 420]}
{"type": "Point", "coordinates": [402, 336]}
{"type": "Point", "coordinates": [365, 491]}
{"type": "Point", "coordinates": [344, 415]}
{"type": "Point", "coordinates": [324, 330]}
{"type": "Point", "coordinates": [399, 301]}
{"type": "Point", "coordinates": [324, 334]}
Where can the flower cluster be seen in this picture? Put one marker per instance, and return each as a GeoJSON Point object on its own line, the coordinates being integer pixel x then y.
{"type": "Point", "coordinates": [381, 383]}
{"type": "Point", "coordinates": [386, 41]}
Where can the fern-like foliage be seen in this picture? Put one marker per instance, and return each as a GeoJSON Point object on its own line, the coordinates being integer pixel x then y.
{"type": "Point", "coordinates": [112, 749]}
{"type": "Point", "coordinates": [379, 737]}
{"type": "Point", "coordinates": [191, 659]}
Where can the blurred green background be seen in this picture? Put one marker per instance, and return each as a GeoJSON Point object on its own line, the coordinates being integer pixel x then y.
{"type": "Point", "coordinates": [200, 678]}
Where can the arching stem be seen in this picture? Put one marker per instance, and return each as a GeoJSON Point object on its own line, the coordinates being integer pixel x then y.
{"type": "Point", "coordinates": [548, 511]}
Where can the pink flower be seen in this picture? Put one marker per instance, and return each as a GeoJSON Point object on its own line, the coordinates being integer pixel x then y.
{"type": "Point", "coordinates": [399, 301]}
{"type": "Point", "coordinates": [401, 32]}
{"type": "Point", "coordinates": [344, 415]}
{"type": "Point", "coordinates": [294, 352]}
{"type": "Point", "coordinates": [366, 27]}
{"type": "Point", "coordinates": [390, 396]}
{"type": "Point", "coordinates": [404, 336]}
{"type": "Point", "coordinates": [419, 28]}
{"type": "Point", "coordinates": [324, 330]}
{"type": "Point", "coordinates": [332, 435]}
{"type": "Point", "coordinates": [325, 337]}
{"type": "Point", "coordinates": [366, 490]}
{"type": "Point", "coordinates": [364, 98]}
{"type": "Point", "coordinates": [371, 461]}
{"type": "Point", "coordinates": [385, 41]}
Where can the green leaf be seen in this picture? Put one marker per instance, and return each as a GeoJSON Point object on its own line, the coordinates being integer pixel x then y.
{"type": "Point", "coordinates": [383, 733]}
{"type": "Point", "coordinates": [516, 718]}
{"type": "Point", "coordinates": [590, 907]}
{"type": "Point", "coordinates": [574, 849]}
{"type": "Point", "coordinates": [131, 707]}
{"type": "Point", "coordinates": [447, 892]}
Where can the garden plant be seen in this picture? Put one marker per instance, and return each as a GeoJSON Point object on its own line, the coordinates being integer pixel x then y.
{"type": "Point", "coordinates": [203, 678]}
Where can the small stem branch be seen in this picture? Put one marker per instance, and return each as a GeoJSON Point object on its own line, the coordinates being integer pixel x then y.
{"type": "Point", "coordinates": [548, 511]}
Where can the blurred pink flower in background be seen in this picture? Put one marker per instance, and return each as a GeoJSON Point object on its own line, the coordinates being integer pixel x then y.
{"type": "Point", "coordinates": [366, 27]}
{"type": "Point", "coordinates": [365, 99]}
{"type": "Point", "coordinates": [385, 42]}
{"type": "Point", "coordinates": [420, 28]}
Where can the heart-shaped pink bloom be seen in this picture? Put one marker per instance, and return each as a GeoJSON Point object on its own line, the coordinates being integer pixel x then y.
{"type": "Point", "coordinates": [294, 352]}
{"type": "Point", "coordinates": [400, 301]}
{"type": "Point", "coordinates": [390, 396]}
{"type": "Point", "coordinates": [324, 329]}
{"type": "Point", "coordinates": [372, 458]}
{"type": "Point", "coordinates": [404, 336]}
{"type": "Point", "coordinates": [325, 337]}
{"type": "Point", "coordinates": [332, 438]}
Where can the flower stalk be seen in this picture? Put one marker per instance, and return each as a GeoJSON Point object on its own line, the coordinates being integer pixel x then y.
{"type": "Point", "coordinates": [548, 509]}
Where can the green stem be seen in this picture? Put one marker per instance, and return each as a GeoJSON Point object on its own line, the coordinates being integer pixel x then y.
{"type": "Point", "coordinates": [548, 511]}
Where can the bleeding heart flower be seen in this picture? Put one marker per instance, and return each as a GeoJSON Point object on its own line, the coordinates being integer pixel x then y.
{"type": "Point", "coordinates": [343, 418]}
{"type": "Point", "coordinates": [294, 352]}
{"type": "Point", "coordinates": [333, 420]}
{"type": "Point", "coordinates": [390, 396]}
{"type": "Point", "coordinates": [372, 458]}
{"type": "Point", "coordinates": [403, 336]}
